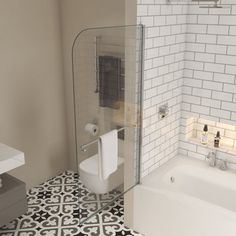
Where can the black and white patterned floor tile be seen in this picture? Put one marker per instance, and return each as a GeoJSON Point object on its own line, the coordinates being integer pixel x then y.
{"type": "Point", "coordinates": [53, 210]}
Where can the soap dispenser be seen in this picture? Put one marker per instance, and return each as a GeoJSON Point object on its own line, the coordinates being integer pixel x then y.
{"type": "Point", "coordinates": [204, 137]}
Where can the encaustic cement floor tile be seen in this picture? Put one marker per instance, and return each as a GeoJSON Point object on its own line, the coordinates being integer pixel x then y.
{"type": "Point", "coordinates": [56, 207]}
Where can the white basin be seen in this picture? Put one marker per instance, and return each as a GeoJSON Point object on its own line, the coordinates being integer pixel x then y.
{"type": "Point", "coordinates": [10, 158]}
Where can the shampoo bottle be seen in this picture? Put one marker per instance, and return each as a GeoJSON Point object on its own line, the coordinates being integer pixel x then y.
{"type": "Point", "coordinates": [204, 137]}
{"type": "Point", "coordinates": [217, 140]}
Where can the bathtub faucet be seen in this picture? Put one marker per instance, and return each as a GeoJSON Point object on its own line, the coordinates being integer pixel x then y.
{"type": "Point", "coordinates": [212, 158]}
{"type": "Point", "coordinates": [223, 165]}
{"type": "Point", "coordinates": [213, 161]}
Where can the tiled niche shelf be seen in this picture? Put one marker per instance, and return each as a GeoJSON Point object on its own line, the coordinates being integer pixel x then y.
{"type": "Point", "coordinates": [194, 129]}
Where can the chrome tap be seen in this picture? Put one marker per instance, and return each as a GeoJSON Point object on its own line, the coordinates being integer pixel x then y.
{"type": "Point", "coordinates": [212, 158]}
{"type": "Point", "coordinates": [223, 165]}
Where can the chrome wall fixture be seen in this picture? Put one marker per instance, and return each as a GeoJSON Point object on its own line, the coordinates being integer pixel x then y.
{"type": "Point", "coordinates": [96, 39]}
{"type": "Point", "coordinates": [83, 147]}
{"type": "Point", "coordinates": [163, 111]}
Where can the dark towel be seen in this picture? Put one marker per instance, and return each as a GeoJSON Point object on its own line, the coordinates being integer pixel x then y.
{"type": "Point", "coordinates": [109, 81]}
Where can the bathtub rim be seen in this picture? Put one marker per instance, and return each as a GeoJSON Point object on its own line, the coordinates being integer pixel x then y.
{"type": "Point", "coordinates": [176, 162]}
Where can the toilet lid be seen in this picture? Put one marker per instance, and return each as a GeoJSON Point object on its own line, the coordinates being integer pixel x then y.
{"type": "Point", "coordinates": [90, 165]}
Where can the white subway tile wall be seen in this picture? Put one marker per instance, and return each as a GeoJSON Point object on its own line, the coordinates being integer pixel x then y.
{"type": "Point", "coordinates": [190, 63]}
{"type": "Point", "coordinates": [163, 78]}
{"type": "Point", "coordinates": [211, 69]}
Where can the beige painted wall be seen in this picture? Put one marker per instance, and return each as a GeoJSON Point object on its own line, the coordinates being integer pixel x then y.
{"type": "Point", "coordinates": [74, 19]}
{"type": "Point", "coordinates": [76, 16]}
{"type": "Point", "coordinates": [32, 116]}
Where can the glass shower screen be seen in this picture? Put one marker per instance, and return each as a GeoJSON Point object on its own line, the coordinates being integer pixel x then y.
{"type": "Point", "coordinates": [107, 77]}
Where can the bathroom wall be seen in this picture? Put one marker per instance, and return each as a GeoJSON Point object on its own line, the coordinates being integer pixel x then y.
{"type": "Point", "coordinates": [74, 18]}
{"type": "Point", "coordinates": [31, 92]}
{"type": "Point", "coordinates": [209, 90]}
{"type": "Point", "coordinates": [203, 40]}
{"type": "Point", "coordinates": [166, 25]}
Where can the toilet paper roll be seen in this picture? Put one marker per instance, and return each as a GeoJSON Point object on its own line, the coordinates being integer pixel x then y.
{"type": "Point", "coordinates": [91, 129]}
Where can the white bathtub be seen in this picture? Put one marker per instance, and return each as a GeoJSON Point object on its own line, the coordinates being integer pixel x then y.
{"type": "Point", "coordinates": [186, 197]}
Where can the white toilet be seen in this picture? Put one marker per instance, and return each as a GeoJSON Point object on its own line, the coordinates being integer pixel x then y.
{"type": "Point", "coordinates": [88, 170]}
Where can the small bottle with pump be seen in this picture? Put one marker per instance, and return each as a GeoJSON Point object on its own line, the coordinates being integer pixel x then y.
{"type": "Point", "coordinates": [217, 140]}
{"type": "Point", "coordinates": [204, 137]}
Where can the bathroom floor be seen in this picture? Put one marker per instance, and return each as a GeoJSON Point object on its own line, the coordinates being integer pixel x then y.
{"type": "Point", "coordinates": [53, 211]}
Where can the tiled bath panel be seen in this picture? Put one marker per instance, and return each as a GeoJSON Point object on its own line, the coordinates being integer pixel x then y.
{"type": "Point", "coordinates": [53, 211]}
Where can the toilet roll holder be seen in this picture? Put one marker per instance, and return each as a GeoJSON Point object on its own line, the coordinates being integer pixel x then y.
{"type": "Point", "coordinates": [83, 147]}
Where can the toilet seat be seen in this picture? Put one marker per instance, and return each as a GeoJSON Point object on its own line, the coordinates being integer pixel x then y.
{"type": "Point", "coordinates": [88, 171]}
{"type": "Point", "coordinates": [90, 165]}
